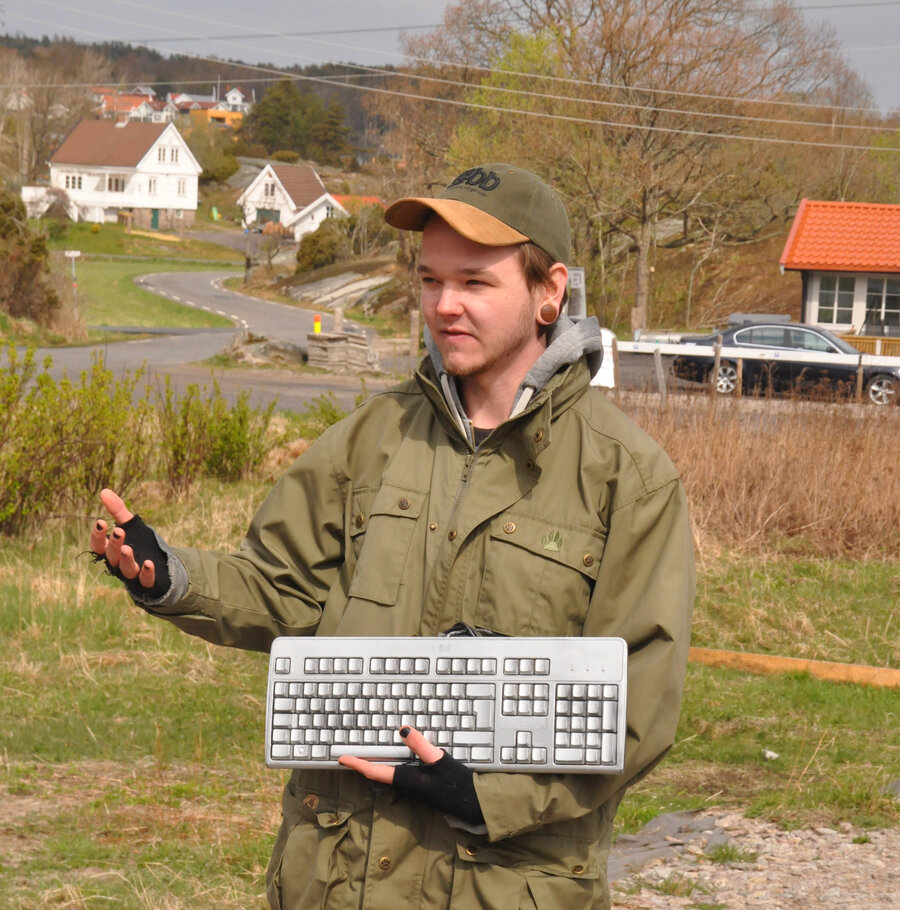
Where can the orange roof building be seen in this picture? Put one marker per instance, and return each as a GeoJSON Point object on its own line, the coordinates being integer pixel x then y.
{"type": "Point", "coordinates": [848, 254]}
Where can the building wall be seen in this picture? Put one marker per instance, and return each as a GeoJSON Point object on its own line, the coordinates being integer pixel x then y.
{"type": "Point", "coordinates": [853, 302]}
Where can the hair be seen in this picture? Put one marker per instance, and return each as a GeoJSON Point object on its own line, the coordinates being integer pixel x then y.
{"type": "Point", "coordinates": [536, 264]}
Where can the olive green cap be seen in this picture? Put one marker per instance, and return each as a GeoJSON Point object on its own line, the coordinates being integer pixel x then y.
{"type": "Point", "coordinates": [493, 204]}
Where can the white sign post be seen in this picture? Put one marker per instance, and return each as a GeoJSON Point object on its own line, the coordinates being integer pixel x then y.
{"type": "Point", "coordinates": [577, 302]}
{"type": "Point", "coordinates": [73, 255]}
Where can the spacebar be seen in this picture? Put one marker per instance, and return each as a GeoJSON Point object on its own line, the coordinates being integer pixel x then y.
{"type": "Point", "coordinates": [372, 753]}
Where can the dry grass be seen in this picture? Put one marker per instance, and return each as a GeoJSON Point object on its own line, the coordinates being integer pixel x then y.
{"type": "Point", "coordinates": [783, 476]}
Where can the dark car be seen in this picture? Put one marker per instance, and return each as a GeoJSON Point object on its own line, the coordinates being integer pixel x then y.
{"type": "Point", "coordinates": [780, 370]}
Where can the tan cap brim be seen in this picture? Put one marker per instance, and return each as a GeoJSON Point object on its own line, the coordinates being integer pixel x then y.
{"type": "Point", "coordinates": [411, 213]}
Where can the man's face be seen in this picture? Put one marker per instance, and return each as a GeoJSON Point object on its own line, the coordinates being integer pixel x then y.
{"type": "Point", "coordinates": [477, 305]}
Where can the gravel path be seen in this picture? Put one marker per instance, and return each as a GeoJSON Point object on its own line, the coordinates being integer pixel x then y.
{"type": "Point", "coordinates": [712, 862]}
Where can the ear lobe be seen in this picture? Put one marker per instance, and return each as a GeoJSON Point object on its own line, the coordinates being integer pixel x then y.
{"type": "Point", "coordinates": [548, 314]}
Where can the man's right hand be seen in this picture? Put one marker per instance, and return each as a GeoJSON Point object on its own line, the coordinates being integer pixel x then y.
{"type": "Point", "coordinates": [140, 562]}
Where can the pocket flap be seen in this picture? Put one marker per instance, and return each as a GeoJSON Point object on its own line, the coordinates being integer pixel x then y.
{"type": "Point", "coordinates": [578, 548]}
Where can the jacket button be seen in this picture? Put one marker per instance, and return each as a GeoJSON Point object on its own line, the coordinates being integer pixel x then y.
{"type": "Point", "coordinates": [472, 849]}
{"type": "Point", "coordinates": [404, 503]}
{"type": "Point", "coordinates": [311, 802]}
{"type": "Point", "coordinates": [588, 559]}
{"type": "Point", "coordinates": [384, 864]}
{"type": "Point", "coordinates": [577, 870]}
{"type": "Point", "coordinates": [539, 436]}
{"type": "Point", "coordinates": [359, 520]}
{"type": "Point", "coordinates": [451, 535]}
{"type": "Point", "coordinates": [432, 526]}
{"type": "Point", "coordinates": [529, 465]}
{"type": "Point", "coordinates": [510, 527]}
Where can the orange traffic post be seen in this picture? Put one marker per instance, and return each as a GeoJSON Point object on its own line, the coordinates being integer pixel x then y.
{"type": "Point", "coordinates": [317, 324]}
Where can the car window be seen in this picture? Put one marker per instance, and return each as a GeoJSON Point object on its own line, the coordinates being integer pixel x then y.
{"type": "Point", "coordinates": [769, 336]}
{"type": "Point", "coordinates": [810, 341]}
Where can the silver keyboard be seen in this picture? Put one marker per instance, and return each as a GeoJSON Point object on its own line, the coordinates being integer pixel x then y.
{"type": "Point", "coordinates": [495, 703]}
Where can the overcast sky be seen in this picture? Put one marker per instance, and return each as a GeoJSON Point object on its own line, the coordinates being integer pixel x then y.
{"type": "Point", "coordinates": [304, 32]}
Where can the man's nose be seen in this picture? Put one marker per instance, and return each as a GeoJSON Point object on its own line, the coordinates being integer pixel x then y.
{"type": "Point", "coordinates": [449, 303]}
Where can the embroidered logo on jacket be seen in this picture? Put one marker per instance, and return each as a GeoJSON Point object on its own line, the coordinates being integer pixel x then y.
{"type": "Point", "coordinates": [552, 542]}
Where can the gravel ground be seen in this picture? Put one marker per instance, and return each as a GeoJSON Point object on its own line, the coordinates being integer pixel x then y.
{"type": "Point", "coordinates": [716, 862]}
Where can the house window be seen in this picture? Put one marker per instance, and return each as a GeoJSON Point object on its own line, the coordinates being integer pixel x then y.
{"type": "Point", "coordinates": [173, 156]}
{"type": "Point", "coordinates": [883, 301]}
{"type": "Point", "coordinates": [115, 184]}
{"type": "Point", "coordinates": [182, 187]}
{"type": "Point", "coordinates": [151, 186]}
{"type": "Point", "coordinates": [161, 154]}
{"type": "Point", "coordinates": [269, 190]}
{"type": "Point", "coordinates": [836, 299]}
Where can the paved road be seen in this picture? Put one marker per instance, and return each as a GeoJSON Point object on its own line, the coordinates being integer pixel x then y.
{"type": "Point", "coordinates": [180, 355]}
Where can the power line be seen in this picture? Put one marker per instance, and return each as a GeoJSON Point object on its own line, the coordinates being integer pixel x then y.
{"type": "Point", "coordinates": [506, 110]}
{"type": "Point", "coordinates": [339, 31]}
{"type": "Point", "coordinates": [565, 80]}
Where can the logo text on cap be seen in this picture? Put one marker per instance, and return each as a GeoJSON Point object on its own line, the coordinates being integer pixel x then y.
{"type": "Point", "coordinates": [478, 177]}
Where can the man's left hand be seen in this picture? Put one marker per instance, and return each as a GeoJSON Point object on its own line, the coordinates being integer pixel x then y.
{"type": "Point", "coordinates": [440, 781]}
{"type": "Point", "coordinates": [384, 773]}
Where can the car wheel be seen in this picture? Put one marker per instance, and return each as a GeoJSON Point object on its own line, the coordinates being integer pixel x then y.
{"type": "Point", "coordinates": [882, 389]}
{"type": "Point", "coordinates": [726, 380]}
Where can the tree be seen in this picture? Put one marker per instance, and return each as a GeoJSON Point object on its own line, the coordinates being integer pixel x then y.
{"type": "Point", "coordinates": [634, 108]}
{"type": "Point", "coordinates": [51, 101]}
{"type": "Point", "coordinates": [24, 265]}
{"type": "Point", "coordinates": [288, 119]}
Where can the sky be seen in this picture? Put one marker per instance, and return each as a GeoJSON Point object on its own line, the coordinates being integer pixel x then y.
{"type": "Point", "coordinates": [303, 32]}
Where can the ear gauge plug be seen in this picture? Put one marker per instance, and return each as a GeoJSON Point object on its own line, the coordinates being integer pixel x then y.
{"type": "Point", "coordinates": [548, 314]}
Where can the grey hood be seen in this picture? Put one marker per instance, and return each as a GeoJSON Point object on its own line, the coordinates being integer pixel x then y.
{"type": "Point", "coordinates": [568, 340]}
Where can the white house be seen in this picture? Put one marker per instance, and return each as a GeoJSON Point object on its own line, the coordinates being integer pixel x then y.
{"type": "Point", "coordinates": [292, 195]}
{"type": "Point", "coordinates": [108, 170]}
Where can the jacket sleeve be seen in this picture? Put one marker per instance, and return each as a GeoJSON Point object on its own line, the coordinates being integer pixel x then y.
{"type": "Point", "coordinates": [644, 594]}
{"type": "Point", "coordinates": [277, 582]}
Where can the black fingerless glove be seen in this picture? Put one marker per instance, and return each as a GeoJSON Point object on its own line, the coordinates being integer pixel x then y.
{"type": "Point", "coordinates": [446, 785]}
{"type": "Point", "coordinates": [142, 540]}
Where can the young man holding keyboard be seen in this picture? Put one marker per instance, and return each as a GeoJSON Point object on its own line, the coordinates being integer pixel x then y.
{"type": "Point", "coordinates": [496, 488]}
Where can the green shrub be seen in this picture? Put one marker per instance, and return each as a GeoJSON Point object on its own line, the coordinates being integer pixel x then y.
{"type": "Point", "coordinates": [289, 156]}
{"type": "Point", "coordinates": [62, 441]}
{"type": "Point", "coordinates": [327, 244]}
{"type": "Point", "coordinates": [202, 435]}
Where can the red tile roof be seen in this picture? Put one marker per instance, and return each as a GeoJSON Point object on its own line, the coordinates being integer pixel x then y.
{"type": "Point", "coordinates": [104, 143]}
{"type": "Point", "coordinates": [358, 203]}
{"type": "Point", "coordinates": [844, 237]}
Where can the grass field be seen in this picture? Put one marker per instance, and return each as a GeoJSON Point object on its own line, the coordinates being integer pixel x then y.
{"type": "Point", "coordinates": [108, 295]}
{"type": "Point", "coordinates": [132, 754]}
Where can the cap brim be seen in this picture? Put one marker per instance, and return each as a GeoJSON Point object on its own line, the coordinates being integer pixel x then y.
{"type": "Point", "coordinates": [411, 213]}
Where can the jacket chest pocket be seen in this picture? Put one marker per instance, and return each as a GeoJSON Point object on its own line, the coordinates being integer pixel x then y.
{"type": "Point", "coordinates": [382, 526]}
{"type": "Point", "coordinates": [538, 577]}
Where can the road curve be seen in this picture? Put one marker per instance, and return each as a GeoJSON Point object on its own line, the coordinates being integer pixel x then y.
{"type": "Point", "coordinates": [180, 354]}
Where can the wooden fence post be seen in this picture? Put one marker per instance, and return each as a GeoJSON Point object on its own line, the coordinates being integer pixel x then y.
{"type": "Point", "coordinates": [660, 378]}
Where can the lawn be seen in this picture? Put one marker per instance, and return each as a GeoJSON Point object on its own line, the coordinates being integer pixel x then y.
{"type": "Point", "coordinates": [133, 769]}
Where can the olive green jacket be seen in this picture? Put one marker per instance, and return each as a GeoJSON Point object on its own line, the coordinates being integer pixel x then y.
{"type": "Point", "coordinates": [393, 524]}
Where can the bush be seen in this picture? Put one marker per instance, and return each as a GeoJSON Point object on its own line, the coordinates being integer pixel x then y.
{"type": "Point", "coordinates": [61, 441]}
{"type": "Point", "coordinates": [327, 244]}
{"type": "Point", "coordinates": [203, 436]}
{"type": "Point", "coordinates": [24, 265]}
{"type": "Point", "coordinates": [286, 155]}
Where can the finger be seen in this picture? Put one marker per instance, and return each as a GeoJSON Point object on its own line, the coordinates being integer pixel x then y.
{"type": "Point", "coordinates": [377, 771]}
{"type": "Point", "coordinates": [428, 752]}
{"type": "Point", "coordinates": [127, 563]}
{"type": "Point", "coordinates": [115, 505]}
{"type": "Point", "coordinates": [148, 574]}
{"type": "Point", "coordinates": [98, 538]}
{"type": "Point", "coordinates": [114, 547]}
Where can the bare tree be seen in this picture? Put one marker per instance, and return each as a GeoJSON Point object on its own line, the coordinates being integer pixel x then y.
{"type": "Point", "coordinates": [633, 108]}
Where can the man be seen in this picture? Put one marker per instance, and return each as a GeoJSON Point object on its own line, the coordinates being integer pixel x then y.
{"type": "Point", "coordinates": [496, 488]}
